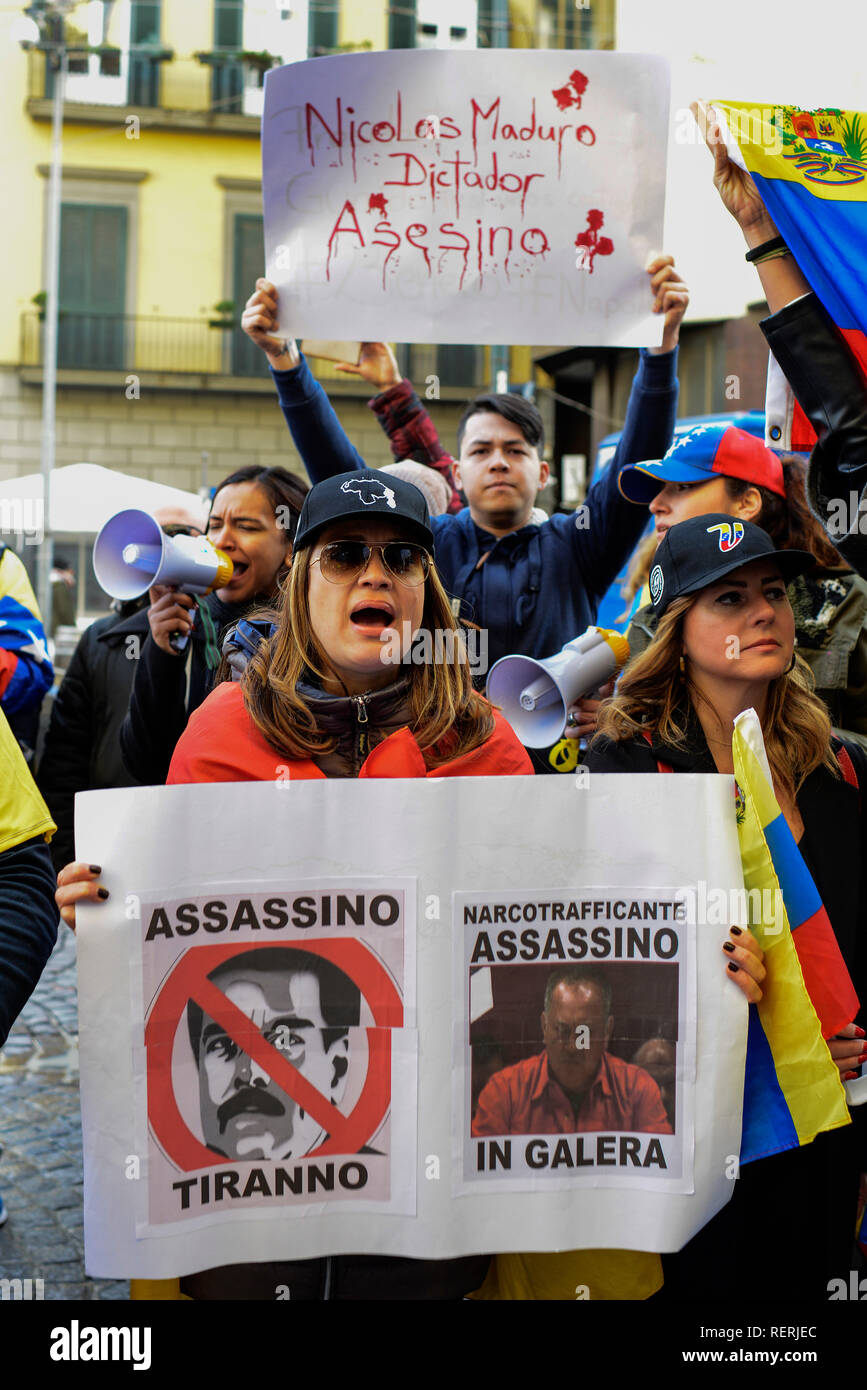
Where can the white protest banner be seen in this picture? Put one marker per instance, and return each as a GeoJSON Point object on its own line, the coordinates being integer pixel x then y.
{"type": "Point", "coordinates": [466, 197]}
{"type": "Point", "coordinates": [308, 1012]}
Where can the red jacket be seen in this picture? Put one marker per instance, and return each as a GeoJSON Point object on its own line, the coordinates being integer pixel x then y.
{"type": "Point", "coordinates": [222, 744]}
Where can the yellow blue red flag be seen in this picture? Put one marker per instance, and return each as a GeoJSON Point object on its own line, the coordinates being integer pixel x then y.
{"type": "Point", "coordinates": [810, 167]}
{"type": "Point", "coordinates": [792, 1087]}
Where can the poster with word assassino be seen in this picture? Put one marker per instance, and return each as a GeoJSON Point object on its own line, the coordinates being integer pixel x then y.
{"type": "Point", "coordinates": [428, 196]}
{"type": "Point", "coordinates": [426, 1017]}
{"type": "Point", "coordinates": [279, 1043]}
{"type": "Point", "coordinates": [580, 1039]}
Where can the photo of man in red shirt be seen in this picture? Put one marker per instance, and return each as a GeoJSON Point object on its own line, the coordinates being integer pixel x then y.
{"type": "Point", "coordinates": [575, 1084]}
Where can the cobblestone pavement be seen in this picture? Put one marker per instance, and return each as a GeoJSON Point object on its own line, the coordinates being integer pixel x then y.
{"type": "Point", "coordinates": [40, 1132]}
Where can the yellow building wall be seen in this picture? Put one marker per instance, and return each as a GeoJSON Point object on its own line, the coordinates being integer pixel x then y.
{"type": "Point", "coordinates": [181, 258]}
{"type": "Point", "coordinates": [24, 147]}
{"type": "Point", "coordinates": [363, 21]}
{"type": "Point", "coordinates": [181, 261]}
{"type": "Point", "coordinates": [181, 229]}
{"type": "Point", "coordinates": [186, 29]}
{"type": "Point", "coordinates": [522, 19]}
{"type": "Point", "coordinates": [180, 253]}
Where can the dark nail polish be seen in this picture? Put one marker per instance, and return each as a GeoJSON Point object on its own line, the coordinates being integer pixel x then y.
{"type": "Point", "coordinates": [849, 1075]}
{"type": "Point", "coordinates": [728, 946]}
{"type": "Point", "coordinates": [732, 966]}
{"type": "Point", "coordinates": [736, 931]}
{"type": "Point", "coordinates": [102, 893]}
{"type": "Point", "coordinates": [95, 868]}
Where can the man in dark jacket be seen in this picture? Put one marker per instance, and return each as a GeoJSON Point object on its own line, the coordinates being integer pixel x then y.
{"type": "Point", "coordinates": [533, 586]}
{"type": "Point", "coordinates": [82, 746]}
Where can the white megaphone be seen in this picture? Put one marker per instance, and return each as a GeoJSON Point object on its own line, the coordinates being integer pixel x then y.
{"type": "Point", "coordinates": [535, 695]}
{"type": "Point", "coordinates": [131, 553]}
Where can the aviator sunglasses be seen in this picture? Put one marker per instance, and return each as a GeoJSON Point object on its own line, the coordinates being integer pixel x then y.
{"type": "Point", "coordinates": [342, 561]}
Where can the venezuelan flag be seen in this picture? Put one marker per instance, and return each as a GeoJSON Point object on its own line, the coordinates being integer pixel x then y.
{"type": "Point", "coordinates": [810, 168]}
{"type": "Point", "coordinates": [792, 1087]}
{"type": "Point", "coordinates": [22, 682]}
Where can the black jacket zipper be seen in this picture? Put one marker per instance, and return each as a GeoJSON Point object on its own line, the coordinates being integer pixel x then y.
{"type": "Point", "coordinates": [362, 740]}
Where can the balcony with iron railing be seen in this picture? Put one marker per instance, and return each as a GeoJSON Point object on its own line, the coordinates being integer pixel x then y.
{"type": "Point", "coordinates": [212, 354]}
{"type": "Point", "coordinates": [171, 352]}
{"type": "Point", "coordinates": [207, 92]}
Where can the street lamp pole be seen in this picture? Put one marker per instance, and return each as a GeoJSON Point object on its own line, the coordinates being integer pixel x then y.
{"type": "Point", "coordinates": [42, 26]}
{"type": "Point", "coordinates": [49, 378]}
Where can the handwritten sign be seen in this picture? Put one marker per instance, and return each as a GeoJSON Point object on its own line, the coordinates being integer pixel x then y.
{"type": "Point", "coordinates": [466, 197]}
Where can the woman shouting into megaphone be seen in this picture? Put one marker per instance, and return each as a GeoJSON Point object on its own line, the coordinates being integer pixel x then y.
{"type": "Point", "coordinates": [252, 520]}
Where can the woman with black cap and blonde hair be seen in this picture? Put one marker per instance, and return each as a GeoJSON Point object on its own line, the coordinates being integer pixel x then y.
{"type": "Point", "coordinates": [724, 643]}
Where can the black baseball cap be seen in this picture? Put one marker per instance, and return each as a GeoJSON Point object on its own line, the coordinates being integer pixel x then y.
{"type": "Point", "coordinates": [698, 552]}
{"type": "Point", "coordinates": [363, 493]}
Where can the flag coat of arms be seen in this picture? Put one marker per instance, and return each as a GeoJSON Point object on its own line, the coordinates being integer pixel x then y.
{"type": "Point", "coordinates": [810, 168]}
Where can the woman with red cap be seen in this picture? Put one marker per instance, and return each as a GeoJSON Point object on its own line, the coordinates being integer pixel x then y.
{"type": "Point", "coordinates": [717, 467]}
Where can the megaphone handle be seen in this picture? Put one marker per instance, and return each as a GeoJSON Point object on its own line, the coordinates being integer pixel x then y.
{"type": "Point", "coordinates": [179, 640]}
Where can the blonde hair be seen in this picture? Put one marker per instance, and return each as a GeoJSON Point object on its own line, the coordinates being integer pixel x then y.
{"type": "Point", "coordinates": [654, 697]}
{"type": "Point", "coordinates": [639, 570]}
{"type": "Point", "coordinates": [447, 716]}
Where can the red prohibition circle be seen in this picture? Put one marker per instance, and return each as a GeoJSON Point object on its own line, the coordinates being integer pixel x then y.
{"type": "Point", "coordinates": [188, 980]}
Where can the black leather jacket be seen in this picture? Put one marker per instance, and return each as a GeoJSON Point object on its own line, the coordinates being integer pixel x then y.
{"type": "Point", "coordinates": [831, 391]}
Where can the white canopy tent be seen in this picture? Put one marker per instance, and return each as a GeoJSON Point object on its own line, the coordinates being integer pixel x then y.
{"type": "Point", "coordinates": [83, 497]}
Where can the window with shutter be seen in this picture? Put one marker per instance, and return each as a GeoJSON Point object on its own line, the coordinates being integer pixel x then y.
{"type": "Point", "coordinates": [247, 261]}
{"type": "Point", "coordinates": [322, 23]}
{"type": "Point", "coordinates": [92, 300]}
{"type": "Point", "coordinates": [144, 73]}
{"type": "Point", "coordinates": [227, 78]}
{"type": "Point", "coordinates": [402, 24]}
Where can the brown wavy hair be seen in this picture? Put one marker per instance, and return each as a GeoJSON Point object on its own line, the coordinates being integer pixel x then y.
{"type": "Point", "coordinates": [447, 716]}
{"type": "Point", "coordinates": [655, 698]}
{"type": "Point", "coordinates": [788, 520]}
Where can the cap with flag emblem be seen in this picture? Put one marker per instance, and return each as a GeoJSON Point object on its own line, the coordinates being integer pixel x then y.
{"type": "Point", "coordinates": [698, 552]}
{"type": "Point", "coordinates": [712, 450]}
